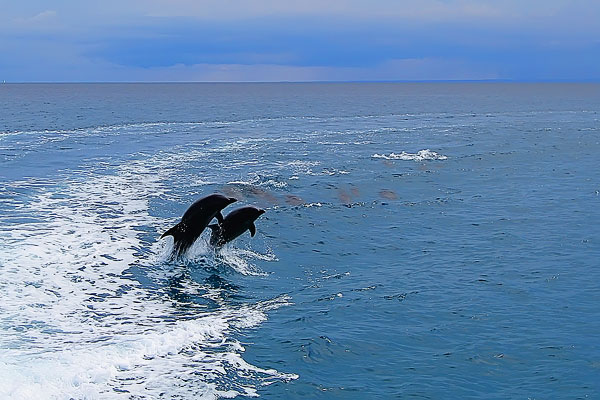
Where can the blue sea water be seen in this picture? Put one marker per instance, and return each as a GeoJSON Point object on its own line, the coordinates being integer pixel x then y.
{"type": "Point", "coordinates": [422, 240]}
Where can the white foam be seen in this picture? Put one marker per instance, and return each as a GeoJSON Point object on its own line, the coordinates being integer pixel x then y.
{"type": "Point", "coordinates": [275, 184]}
{"type": "Point", "coordinates": [74, 326]}
{"type": "Point", "coordinates": [300, 167]}
{"type": "Point", "coordinates": [309, 205]}
{"type": "Point", "coordinates": [259, 180]}
{"type": "Point", "coordinates": [158, 360]}
{"type": "Point", "coordinates": [239, 183]}
{"type": "Point", "coordinates": [333, 171]}
{"type": "Point", "coordinates": [421, 155]}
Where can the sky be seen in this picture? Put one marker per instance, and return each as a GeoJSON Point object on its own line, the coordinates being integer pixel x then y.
{"type": "Point", "coordinates": [308, 40]}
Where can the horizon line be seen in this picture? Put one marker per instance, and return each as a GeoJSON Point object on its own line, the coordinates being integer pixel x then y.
{"type": "Point", "coordinates": [4, 82]}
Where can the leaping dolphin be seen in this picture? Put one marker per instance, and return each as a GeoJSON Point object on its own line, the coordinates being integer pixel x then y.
{"type": "Point", "coordinates": [234, 224]}
{"type": "Point", "coordinates": [195, 220]}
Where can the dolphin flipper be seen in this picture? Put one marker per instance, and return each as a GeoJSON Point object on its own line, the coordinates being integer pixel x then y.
{"type": "Point", "coordinates": [252, 229]}
{"type": "Point", "coordinates": [219, 217]}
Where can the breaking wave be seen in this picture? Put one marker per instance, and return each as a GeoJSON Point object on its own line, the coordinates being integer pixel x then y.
{"type": "Point", "coordinates": [420, 155]}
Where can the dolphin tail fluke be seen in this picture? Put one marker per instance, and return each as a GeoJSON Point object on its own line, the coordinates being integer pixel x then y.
{"type": "Point", "coordinates": [182, 239]}
{"type": "Point", "coordinates": [174, 231]}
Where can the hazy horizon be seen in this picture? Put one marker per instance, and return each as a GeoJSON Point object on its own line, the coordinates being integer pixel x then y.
{"type": "Point", "coordinates": [565, 81]}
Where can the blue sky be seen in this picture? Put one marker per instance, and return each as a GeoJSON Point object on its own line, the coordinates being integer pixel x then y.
{"type": "Point", "coordinates": [271, 40]}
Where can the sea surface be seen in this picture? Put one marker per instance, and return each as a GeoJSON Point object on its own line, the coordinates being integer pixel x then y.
{"type": "Point", "coordinates": [426, 241]}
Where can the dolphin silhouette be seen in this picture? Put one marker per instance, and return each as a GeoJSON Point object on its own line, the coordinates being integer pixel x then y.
{"type": "Point", "coordinates": [235, 223]}
{"type": "Point", "coordinates": [195, 220]}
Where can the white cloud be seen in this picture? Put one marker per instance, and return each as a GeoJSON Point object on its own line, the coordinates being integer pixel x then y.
{"type": "Point", "coordinates": [43, 17]}
{"type": "Point", "coordinates": [41, 22]}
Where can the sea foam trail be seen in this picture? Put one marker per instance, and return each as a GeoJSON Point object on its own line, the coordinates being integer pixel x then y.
{"type": "Point", "coordinates": [74, 326]}
{"type": "Point", "coordinates": [184, 358]}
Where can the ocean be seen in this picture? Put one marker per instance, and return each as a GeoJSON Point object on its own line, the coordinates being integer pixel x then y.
{"type": "Point", "coordinates": [420, 240]}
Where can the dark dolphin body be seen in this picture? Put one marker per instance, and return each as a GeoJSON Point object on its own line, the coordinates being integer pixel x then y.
{"type": "Point", "coordinates": [195, 220]}
{"type": "Point", "coordinates": [234, 224]}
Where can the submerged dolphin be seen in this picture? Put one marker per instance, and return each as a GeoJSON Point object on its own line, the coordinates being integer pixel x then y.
{"type": "Point", "coordinates": [195, 220]}
{"type": "Point", "coordinates": [234, 224]}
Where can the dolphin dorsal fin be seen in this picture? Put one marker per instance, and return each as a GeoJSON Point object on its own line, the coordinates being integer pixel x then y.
{"type": "Point", "coordinates": [252, 229]}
